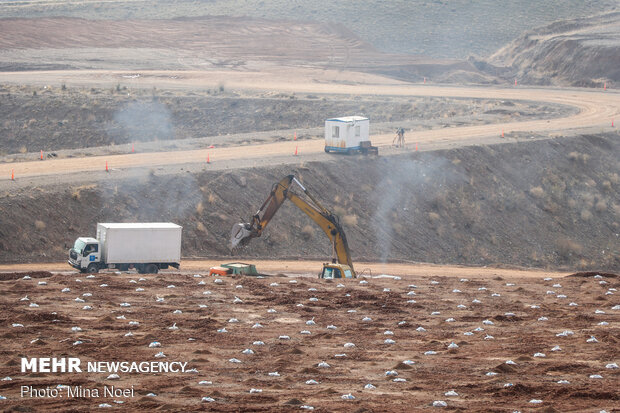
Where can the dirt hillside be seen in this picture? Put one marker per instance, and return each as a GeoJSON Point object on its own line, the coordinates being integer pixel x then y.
{"type": "Point", "coordinates": [212, 43]}
{"type": "Point", "coordinates": [545, 203]}
{"type": "Point", "coordinates": [579, 52]}
{"type": "Point", "coordinates": [437, 28]}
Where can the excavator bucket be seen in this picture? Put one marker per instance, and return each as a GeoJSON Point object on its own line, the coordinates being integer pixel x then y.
{"type": "Point", "coordinates": [240, 234]}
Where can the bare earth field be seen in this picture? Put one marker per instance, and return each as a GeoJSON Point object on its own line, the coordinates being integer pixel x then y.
{"type": "Point", "coordinates": [205, 43]}
{"type": "Point", "coordinates": [456, 28]}
{"type": "Point", "coordinates": [506, 175]}
{"type": "Point", "coordinates": [501, 344]}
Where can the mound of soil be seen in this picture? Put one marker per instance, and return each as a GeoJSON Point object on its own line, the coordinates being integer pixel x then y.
{"type": "Point", "coordinates": [579, 52]}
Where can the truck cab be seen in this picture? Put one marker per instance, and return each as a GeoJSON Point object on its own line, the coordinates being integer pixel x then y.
{"type": "Point", "coordinates": [85, 254]}
{"type": "Point", "coordinates": [334, 271]}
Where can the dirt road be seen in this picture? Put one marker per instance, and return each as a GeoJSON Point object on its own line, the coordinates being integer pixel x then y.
{"type": "Point", "coordinates": [302, 267]}
{"type": "Point", "coordinates": [597, 109]}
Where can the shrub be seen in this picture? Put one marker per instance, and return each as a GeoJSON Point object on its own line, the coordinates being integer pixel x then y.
{"type": "Point", "coordinates": [579, 157]}
{"type": "Point", "coordinates": [39, 225]}
{"type": "Point", "coordinates": [586, 215]}
{"type": "Point", "coordinates": [567, 247]}
{"type": "Point", "coordinates": [350, 220]}
{"type": "Point", "coordinates": [433, 216]}
{"type": "Point", "coordinates": [340, 211]}
{"type": "Point", "coordinates": [537, 192]}
{"type": "Point", "coordinates": [307, 232]}
{"type": "Point", "coordinates": [77, 192]}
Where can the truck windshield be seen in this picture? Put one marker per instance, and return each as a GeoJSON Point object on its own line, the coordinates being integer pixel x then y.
{"type": "Point", "coordinates": [79, 246]}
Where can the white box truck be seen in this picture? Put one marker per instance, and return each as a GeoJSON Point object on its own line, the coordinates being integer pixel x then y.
{"type": "Point", "coordinates": [147, 247]}
{"type": "Point", "coordinates": [349, 134]}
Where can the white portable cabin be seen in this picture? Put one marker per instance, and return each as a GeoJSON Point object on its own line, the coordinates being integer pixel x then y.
{"type": "Point", "coordinates": [345, 134]}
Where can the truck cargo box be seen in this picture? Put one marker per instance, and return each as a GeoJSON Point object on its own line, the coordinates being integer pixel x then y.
{"type": "Point", "coordinates": [158, 242]}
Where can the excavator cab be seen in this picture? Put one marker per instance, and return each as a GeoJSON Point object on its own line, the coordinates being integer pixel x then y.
{"type": "Point", "coordinates": [334, 271]}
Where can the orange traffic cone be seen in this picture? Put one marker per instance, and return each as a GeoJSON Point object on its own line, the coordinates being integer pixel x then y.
{"type": "Point", "coordinates": [12, 174]}
{"type": "Point", "coordinates": [106, 166]}
{"type": "Point", "coordinates": [502, 133]}
{"type": "Point", "coordinates": [133, 149]}
{"type": "Point", "coordinates": [605, 86]}
{"type": "Point", "coordinates": [208, 160]}
{"type": "Point", "coordinates": [295, 150]}
{"type": "Point", "coordinates": [41, 155]}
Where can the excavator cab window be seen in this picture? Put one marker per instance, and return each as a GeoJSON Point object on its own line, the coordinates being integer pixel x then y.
{"type": "Point", "coordinates": [330, 273]}
{"type": "Point", "coordinates": [347, 274]}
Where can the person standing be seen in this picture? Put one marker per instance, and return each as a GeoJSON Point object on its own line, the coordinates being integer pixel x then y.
{"type": "Point", "coordinates": [399, 138]}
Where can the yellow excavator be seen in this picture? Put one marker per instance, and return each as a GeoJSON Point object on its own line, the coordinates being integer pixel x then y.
{"type": "Point", "coordinates": [341, 265]}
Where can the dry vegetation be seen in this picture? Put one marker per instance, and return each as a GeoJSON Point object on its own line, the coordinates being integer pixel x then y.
{"type": "Point", "coordinates": [71, 118]}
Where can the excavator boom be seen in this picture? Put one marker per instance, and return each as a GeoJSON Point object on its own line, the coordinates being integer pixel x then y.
{"type": "Point", "coordinates": [242, 233]}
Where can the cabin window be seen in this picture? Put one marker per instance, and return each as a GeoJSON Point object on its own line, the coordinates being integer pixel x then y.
{"type": "Point", "coordinates": [347, 274]}
{"type": "Point", "coordinates": [335, 131]}
{"type": "Point", "coordinates": [357, 131]}
{"type": "Point", "coordinates": [90, 248]}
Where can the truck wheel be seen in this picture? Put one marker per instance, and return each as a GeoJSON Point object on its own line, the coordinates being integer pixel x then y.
{"type": "Point", "coordinates": [151, 269]}
{"type": "Point", "coordinates": [123, 267]}
{"type": "Point", "coordinates": [326, 150]}
{"type": "Point", "coordinates": [92, 268]}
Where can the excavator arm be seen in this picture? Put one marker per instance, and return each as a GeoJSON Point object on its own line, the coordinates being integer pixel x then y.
{"type": "Point", "coordinates": [330, 225]}
{"type": "Point", "coordinates": [242, 233]}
